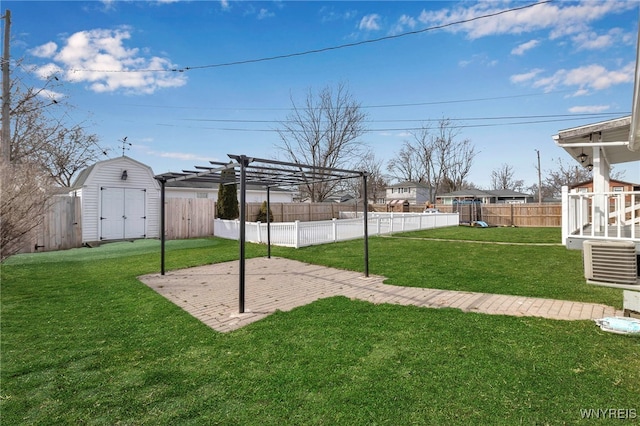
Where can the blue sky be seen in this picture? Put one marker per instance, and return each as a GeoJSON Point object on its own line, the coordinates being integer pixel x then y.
{"type": "Point", "coordinates": [154, 71]}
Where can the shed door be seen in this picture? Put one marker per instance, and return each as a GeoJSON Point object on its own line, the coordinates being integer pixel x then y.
{"type": "Point", "coordinates": [134, 213]}
{"type": "Point", "coordinates": [123, 213]}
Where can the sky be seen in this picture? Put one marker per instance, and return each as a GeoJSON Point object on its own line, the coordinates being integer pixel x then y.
{"type": "Point", "coordinates": [186, 82]}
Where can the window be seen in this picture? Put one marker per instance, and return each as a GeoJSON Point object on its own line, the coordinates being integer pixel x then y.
{"type": "Point", "coordinates": [202, 195]}
{"type": "Point", "coordinates": [618, 189]}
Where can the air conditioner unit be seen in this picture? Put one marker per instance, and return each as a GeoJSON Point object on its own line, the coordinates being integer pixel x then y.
{"type": "Point", "coordinates": [613, 262]}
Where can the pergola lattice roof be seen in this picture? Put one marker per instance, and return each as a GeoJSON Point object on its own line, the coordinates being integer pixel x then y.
{"type": "Point", "coordinates": [267, 173]}
{"type": "Point", "coordinates": [261, 171]}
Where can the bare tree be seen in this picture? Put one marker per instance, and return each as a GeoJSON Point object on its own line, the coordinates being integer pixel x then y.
{"type": "Point", "coordinates": [563, 175]}
{"type": "Point", "coordinates": [26, 192]}
{"type": "Point", "coordinates": [435, 157]}
{"type": "Point", "coordinates": [45, 151]}
{"type": "Point", "coordinates": [324, 132]}
{"type": "Point", "coordinates": [454, 158]}
{"type": "Point", "coordinates": [503, 178]}
{"type": "Point", "coordinates": [406, 165]}
{"type": "Point", "coordinates": [42, 135]}
{"type": "Point", "coordinates": [376, 181]}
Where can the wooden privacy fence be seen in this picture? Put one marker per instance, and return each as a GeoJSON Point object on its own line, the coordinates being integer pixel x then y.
{"type": "Point", "coordinates": [193, 217]}
{"type": "Point", "coordinates": [61, 227]}
{"type": "Point", "coordinates": [189, 218]}
{"type": "Point", "coordinates": [524, 215]}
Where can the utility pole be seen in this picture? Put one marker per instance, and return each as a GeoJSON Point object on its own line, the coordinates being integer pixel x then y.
{"type": "Point", "coordinates": [539, 179]}
{"type": "Point", "coordinates": [6, 92]}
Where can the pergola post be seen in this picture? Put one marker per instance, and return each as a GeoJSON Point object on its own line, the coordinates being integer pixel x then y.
{"type": "Point", "coordinates": [162, 225]}
{"type": "Point", "coordinates": [243, 210]}
{"type": "Point", "coordinates": [268, 222]}
{"type": "Point", "coordinates": [366, 224]}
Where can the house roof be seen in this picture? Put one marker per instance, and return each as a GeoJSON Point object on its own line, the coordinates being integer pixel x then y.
{"type": "Point", "coordinates": [472, 192]}
{"type": "Point", "coordinates": [586, 182]}
{"type": "Point", "coordinates": [410, 184]}
{"type": "Point", "coordinates": [508, 193]}
{"type": "Point", "coordinates": [208, 185]}
{"type": "Point", "coordinates": [84, 174]}
{"type": "Point", "coordinates": [611, 135]}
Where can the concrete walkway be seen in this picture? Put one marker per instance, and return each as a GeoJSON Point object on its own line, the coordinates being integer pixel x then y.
{"type": "Point", "coordinates": [210, 293]}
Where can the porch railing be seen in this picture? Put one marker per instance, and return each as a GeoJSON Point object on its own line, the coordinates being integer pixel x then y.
{"type": "Point", "coordinates": [606, 216]}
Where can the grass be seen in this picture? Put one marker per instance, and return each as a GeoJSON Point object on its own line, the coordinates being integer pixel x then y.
{"type": "Point", "coordinates": [83, 341]}
{"type": "Point", "coordinates": [421, 259]}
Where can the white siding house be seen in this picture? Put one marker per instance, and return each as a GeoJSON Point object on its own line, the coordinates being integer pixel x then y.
{"type": "Point", "coordinates": [413, 192]}
{"type": "Point", "coordinates": [120, 200]}
{"type": "Point", "coordinates": [254, 194]}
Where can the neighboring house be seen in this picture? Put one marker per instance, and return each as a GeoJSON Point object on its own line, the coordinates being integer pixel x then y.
{"type": "Point", "coordinates": [415, 193]}
{"type": "Point", "coordinates": [501, 196]}
{"type": "Point", "coordinates": [120, 199]}
{"type": "Point", "coordinates": [614, 186]}
{"type": "Point", "coordinates": [254, 194]}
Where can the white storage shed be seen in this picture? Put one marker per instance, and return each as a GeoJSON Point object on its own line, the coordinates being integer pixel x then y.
{"type": "Point", "coordinates": [120, 200]}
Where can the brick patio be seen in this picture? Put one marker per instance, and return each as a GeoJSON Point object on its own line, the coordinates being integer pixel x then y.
{"type": "Point", "coordinates": [210, 293]}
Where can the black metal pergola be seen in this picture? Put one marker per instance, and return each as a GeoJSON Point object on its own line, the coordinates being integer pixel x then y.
{"type": "Point", "coordinates": [265, 173]}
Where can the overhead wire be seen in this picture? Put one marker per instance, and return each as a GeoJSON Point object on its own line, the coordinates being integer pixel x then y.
{"type": "Point", "coordinates": [320, 50]}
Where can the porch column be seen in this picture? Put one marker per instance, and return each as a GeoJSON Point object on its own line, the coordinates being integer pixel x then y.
{"type": "Point", "coordinates": [600, 186]}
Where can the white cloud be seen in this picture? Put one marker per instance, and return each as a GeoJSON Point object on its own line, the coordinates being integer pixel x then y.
{"type": "Point", "coordinates": [265, 13]}
{"type": "Point", "coordinates": [405, 22]}
{"type": "Point", "coordinates": [588, 109]}
{"type": "Point", "coordinates": [101, 59]}
{"type": "Point", "coordinates": [592, 41]}
{"type": "Point", "coordinates": [521, 78]}
{"type": "Point", "coordinates": [370, 22]}
{"type": "Point", "coordinates": [584, 79]}
{"type": "Point", "coordinates": [47, 50]}
{"type": "Point", "coordinates": [47, 71]}
{"type": "Point", "coordinates": [519, 50]}
{"type": "Point", "coordinates": [184, 156]}
{"type": "Point", "coordinates": [224, 4]}
{"type": "Point", "coordinates": [51, 95]}
{"type": "Point", "coordinates": [559, 18]}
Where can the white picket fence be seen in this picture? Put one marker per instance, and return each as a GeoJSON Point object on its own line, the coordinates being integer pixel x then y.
{"type": "Point", "coordinates": [300, 234]}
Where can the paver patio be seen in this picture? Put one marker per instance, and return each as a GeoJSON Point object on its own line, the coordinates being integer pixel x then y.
{"type": "Point", "coordinates": [210, 293]}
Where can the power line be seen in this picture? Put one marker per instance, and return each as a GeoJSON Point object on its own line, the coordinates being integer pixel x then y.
{"type": "Point", "coordinates": [400, 105]}
{"type": "Point", "coordinates": [401, 120]}
{"type": "Point", "coordinates": [321, 50]}
{"type": "Point", "coordinates": [407, 129]}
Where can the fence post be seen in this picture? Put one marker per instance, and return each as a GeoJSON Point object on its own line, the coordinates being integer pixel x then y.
{"type": "Point", "coordinates": [377, 225]}
{"type": "Point", "coordinates": [334, 226]}
{"type": "Point", "coordinates": [259, 232]}
{"type": "Point", "coordinates": [296, 242]}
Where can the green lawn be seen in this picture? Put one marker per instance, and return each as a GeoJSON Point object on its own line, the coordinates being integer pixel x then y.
{"type": "Point", "coordinates": [84, 342]}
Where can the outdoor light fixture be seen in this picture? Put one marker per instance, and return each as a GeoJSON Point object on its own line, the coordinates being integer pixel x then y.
{"type": "Point", "coordinates": [582, 157]}
{"type": "Point", "coordinates": [589, 166]}
{"type": "Point", "coordinates": [124, 175]}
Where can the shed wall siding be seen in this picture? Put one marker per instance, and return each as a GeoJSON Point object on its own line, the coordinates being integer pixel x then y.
{"type": "Point", "coordinates": [108, 174]}
{"type": "Point", "coordinates": [212, 194]}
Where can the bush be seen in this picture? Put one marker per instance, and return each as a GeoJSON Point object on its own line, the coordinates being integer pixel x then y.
{"type": "Point", "coordinates": [227, 206]}
{"type": "Point", "coordinates": [262, 214]}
